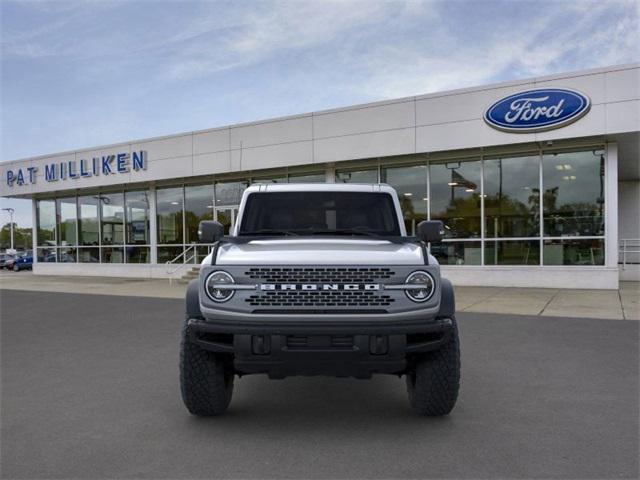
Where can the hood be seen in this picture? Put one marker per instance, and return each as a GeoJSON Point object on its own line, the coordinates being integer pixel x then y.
{"type": "Point", "coordinates": [325, 251]}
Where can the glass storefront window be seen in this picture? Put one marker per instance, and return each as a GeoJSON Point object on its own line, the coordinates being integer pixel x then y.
{"type": "Point", "coordinates": [137, 254]}
{"type": "Point", "coordinates": [319, 177]}
{"type": "Point", "coordinates": [47, 254]}
{"type": "Point", "coordinates": [198, 206]}
{"type": "Point", "coordinates": [169, 208]}
{"type": "Point", "coordinates": [46, 218]}
{"type": "Point", "coordinates": [166, 254]}
{"type": "Point", "coordinates": [227, 217]}
{"type": "Point", "coordinates": [111, 255]}
{"type": "Point", "coordinates": [67, 221]}
{"type": "Point", "coordinates": [357, 176]}
{"type": "Point", "coordinates": [112, 218]}
{"type": "Point", "coordinates": [66, 255]}
{"type": "Point", "coordinates": [411, 185]}
{"type": "Point", "coordinates": [574, 252]}
{"type": "Point", "coordinates": [137, 217]}
{"type": "Point", "coordinates": [229, 193]}
{"type": "Point", "coordinates": [457, 253]}
{"type": "Point", "coordinates": [512, 252]}
{"type": "Point", "coordinates": [512, 197]}
{"type": "Point", "coordinates": [89, 254]}
{"type": "Point", "coordinates": [88, 220]}
{"type": "Point", "coordinates": [455, 197]}
{"type": "Point", "coordinates": [573, 198]}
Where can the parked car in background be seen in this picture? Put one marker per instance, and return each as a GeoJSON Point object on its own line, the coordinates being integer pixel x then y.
{"type": "Point", "coordinates": [23, 261]}
{"type": "Point", "coordinates": [4, 258]}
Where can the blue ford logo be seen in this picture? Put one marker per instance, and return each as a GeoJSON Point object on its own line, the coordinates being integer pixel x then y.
{"type": "Point", "coordinates": [537, 110]}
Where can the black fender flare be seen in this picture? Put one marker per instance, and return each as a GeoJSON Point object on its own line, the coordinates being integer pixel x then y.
{"type": "Point", "coordinates": [447, 300]}
{"type": "Point", "coordinates": [192, 300]}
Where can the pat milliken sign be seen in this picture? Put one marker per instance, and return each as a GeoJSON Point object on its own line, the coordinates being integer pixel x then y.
{"type": "Point", "coordinates": [537, 110]}
{"type": "Point", "coordinates": [104, 165]}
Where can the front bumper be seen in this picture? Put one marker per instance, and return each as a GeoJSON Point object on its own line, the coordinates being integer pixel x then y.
{"type": "Point", "coordinates": [320, 348]}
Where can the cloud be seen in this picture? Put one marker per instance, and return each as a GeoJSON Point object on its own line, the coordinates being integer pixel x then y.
{"type": "Point", "coordinates": [269, 30]}
{"type": "Point", "coordinates": [557, 39]}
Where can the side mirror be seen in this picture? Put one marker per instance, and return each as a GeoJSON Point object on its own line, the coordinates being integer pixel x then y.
{"type": "Point", "coordinates": [210, 231]}
{"type": "Point", "coordinates": [430, 231]}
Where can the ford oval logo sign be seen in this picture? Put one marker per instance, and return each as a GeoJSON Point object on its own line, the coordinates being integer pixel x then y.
{"type": "Point", "coordinates": [537, 110]}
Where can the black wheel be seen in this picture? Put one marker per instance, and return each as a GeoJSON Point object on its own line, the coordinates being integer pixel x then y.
{"type": "Point", "coordinates": [206, 382]}
{"type": "Point", "coordinates": [16, 268]}
{"type": "Point", "coordinates": [434, 381]}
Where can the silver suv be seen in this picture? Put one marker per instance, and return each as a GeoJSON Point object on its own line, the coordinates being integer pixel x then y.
{"type": "Point", "coordinates": [320, 279]}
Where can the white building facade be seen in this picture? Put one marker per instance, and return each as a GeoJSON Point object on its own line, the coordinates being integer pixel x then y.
{"type": "Point", "coordinates": [537, 181]}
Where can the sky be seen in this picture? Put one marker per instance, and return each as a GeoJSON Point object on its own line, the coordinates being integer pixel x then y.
{"type": "Point", "coordinates": [87, 73]}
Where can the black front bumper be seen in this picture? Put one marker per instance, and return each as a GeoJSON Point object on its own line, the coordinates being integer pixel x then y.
{"type": "Point", "coordinates": [320, 348]}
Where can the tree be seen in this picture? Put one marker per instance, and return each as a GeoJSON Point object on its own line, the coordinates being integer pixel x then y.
{"type": "Point", "coordinates": [22, 237]}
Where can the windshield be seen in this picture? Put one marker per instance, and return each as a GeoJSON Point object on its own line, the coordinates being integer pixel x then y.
{"type": "Point", "coordinates": [317, 213]}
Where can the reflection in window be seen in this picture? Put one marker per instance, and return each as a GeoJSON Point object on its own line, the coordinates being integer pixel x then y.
{"type": "Point", "coordinates": [112, 255]}
{"type": "Point", "coordinates": [88, 221]}
{"type": "Point", "coordinates": [512, 252]}
{"type": "Point", "coordinates": [46, 217]}
{"type": "Point", "coordinates": [137, 217]}
{"type": "Point", "coordinates": [512, 197]}
{"type": "Point", "coordinates": [411, 185]}
{"type": "Point", "coordinates": [455, 197]}
{"type": "Point", "coordinates": [229, 193]}
{"type": "Point", "coordinates": [46, 254]}
{"type": "Point", "coordinates": [112, 218]}
{"type": "Point", "coordinates": [226, 216]}
{"type": "Point", "coordinates": [169, 207]}
{"type": "Point", "coordinates": [198, 206]}
{"type": "Point", "coordinates": [166, 254]}
{"type": "Point", "coordinates": [357, 176]}
{"type": "Point", "coordinates": [67, 219]}
{"type": "Point", "coordinates": [574, 252]}
{"type": "Point", "coordinates": [457, 253]}
{"type": "Point", "coordinates": [319, 177]}
{"type": "Point", "coordinates": [66, 255]}
{"type": "Point", "coordinates": [573, 198]}
{"type": "Point", "coordinates": [89, 254]}
{"type": "Point", "coordinates": [137, 254]}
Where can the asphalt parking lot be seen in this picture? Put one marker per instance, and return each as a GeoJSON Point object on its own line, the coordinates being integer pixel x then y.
{"type": "Point", "coordinates": [90, 390]}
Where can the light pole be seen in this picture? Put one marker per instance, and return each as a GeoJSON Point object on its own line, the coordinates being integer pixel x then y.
{"type": "Point", "coordinates": [10, 210]}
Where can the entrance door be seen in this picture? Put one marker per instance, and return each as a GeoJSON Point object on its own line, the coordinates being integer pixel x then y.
{"type": "Point", "coordinates": [227, 217]}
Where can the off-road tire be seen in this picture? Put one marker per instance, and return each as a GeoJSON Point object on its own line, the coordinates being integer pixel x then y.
{"type": "Point", "coordinates": [206, 383]}
{"type": "Point", "coordinates": [434, 380]}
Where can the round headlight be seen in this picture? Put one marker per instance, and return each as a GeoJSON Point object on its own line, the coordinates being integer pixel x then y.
{"type": "Point", "coordinates": [213, 289]}
{"type": "Point", "coordinates": [424, 286]}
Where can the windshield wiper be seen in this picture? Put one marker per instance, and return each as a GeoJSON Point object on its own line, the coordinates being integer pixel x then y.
{"type": "Point", "coordinates": [268, 231]}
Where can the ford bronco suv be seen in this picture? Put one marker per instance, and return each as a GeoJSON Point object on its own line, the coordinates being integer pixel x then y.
{"type": "Point", "coordinates": [319, 279]}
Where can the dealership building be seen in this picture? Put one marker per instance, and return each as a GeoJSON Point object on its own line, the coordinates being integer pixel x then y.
{"type": "Point", "coordinates": [537, 182]}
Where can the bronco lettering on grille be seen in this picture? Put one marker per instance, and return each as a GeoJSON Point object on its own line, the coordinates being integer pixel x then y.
{"type": "Point", "coordinates": [319, 286]}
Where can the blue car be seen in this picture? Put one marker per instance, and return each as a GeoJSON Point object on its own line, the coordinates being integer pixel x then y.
{"type": "Point", "coordinates": [22, 262]}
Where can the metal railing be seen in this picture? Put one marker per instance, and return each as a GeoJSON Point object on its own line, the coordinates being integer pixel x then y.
{"type": "Point", "coordinates": [628, 246]}
{"type": "Point", "coordinates": [189, 256]}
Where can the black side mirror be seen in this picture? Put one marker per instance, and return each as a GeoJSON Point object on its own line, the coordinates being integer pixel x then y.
{"type": "Point", "coordinates": [430, 231]}
{"type": "Point", "coordinates": [210, 231]}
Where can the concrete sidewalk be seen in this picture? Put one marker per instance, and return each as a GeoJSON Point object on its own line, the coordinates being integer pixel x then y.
{"type": "Point", "coordinates": [610, 304]}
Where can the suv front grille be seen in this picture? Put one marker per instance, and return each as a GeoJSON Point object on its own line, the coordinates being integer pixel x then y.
{"type": "Point", "coordinates": [319, 299]}
{"type": "Point", "coordinates": [339, 298]}
{"type": "Point", "coordinates": [319, 274]}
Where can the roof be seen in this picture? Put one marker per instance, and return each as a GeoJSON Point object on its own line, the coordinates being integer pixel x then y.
{"type": "Point", "coordinates": [320, 187]}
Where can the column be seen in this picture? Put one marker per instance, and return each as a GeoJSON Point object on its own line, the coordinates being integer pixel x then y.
{"type": "Point", "coordinates": [153, 227]}
{"type": "Point", "coordinates": [611, 205]}
{"type": "Point", "coordinates": [330, 173]}
{"type": "Point", "coordinates": [34, 231]}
